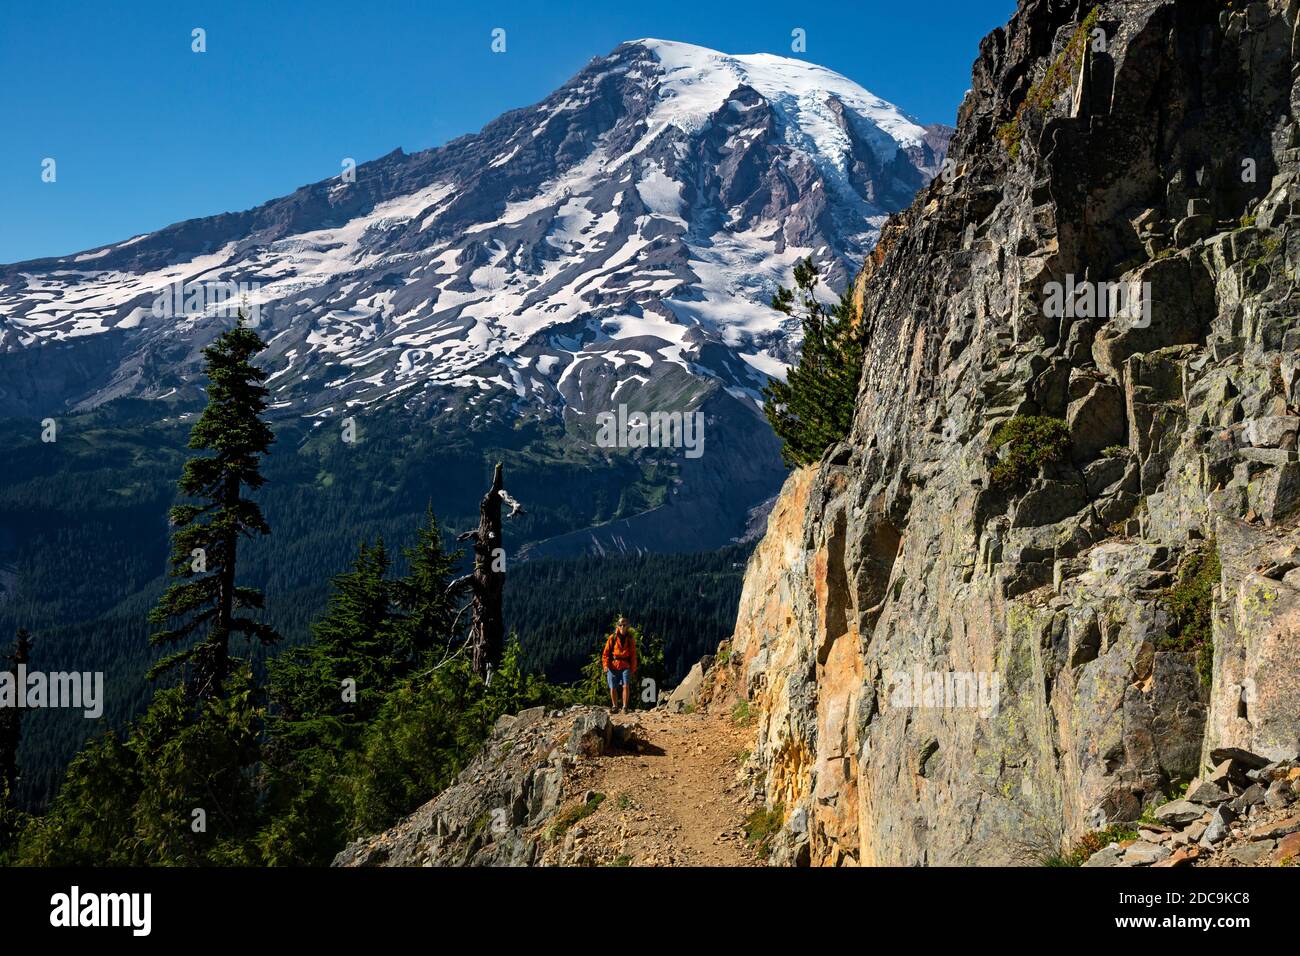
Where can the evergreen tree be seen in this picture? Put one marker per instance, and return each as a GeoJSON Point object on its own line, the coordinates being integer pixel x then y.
{"type": "Point", "coordinates": [354, 641]}
{"type": "Point", "coordinates": [179, 788]}
{"type": "Point", "coordinates": [323, 695]}
{"type": "Point", "coordinates": [206, 600]}
{"type": "Point", "coordinates": [813, 408]}
{"type": "Point", "coordinates": [177, 791]}
{"type": "Point", "coordinates": [337, 767]}
{"type": "Point", "coordinates": [197, 798]}
{"type": "Point", "coordinates": [428, 612]}
{"type": "Point", "coordinates": [91, 820]}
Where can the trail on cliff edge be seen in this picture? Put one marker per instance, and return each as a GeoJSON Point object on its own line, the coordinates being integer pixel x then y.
{"type": "Point", "coordinates": [677, 803]}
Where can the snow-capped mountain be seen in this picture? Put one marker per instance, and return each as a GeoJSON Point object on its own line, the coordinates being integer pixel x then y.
{"type": "Point", "coordinates": [616, 243]}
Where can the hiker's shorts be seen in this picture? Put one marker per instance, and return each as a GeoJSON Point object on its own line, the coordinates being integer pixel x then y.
{"type": "Point", "coordinates": [617, 678]}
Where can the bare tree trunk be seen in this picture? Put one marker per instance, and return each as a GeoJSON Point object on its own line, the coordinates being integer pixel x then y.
{"type": "Point", "coordinates": [486, 582]}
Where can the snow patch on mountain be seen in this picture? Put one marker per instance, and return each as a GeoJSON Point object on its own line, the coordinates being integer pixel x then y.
{"type": "Point", "coordinates": [649, 207]}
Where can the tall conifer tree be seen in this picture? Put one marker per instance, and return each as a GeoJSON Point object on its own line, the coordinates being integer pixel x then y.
{"type": "Point", "coordinates": [206, 602]}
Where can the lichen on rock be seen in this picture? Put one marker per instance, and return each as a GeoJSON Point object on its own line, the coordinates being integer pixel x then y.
{"type": "Point", "coordinates": [1172, 171]}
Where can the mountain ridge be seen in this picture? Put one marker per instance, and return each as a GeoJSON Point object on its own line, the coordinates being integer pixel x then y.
{"type": "Point", "coordinates": [298, 243]}
{"type": "Point", "coordinates": [614, 244]}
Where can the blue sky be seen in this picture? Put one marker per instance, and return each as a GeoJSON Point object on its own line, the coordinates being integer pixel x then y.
{"type": "Point", "coordinates": [146, 132]}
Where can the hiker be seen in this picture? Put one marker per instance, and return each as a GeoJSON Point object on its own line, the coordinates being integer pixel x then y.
{"type": "Point", "coordinates": [619, 657]}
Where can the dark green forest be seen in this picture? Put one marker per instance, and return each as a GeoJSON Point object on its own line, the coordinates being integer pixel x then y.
{"type": "Point", "coordinates": [559, 609]}
{"type": "Point", "coordinates": [84, 543]}
{"type": "Point", "coordinates": [267, 704]}
{"type": "Point", "coordinates": [84, 531]}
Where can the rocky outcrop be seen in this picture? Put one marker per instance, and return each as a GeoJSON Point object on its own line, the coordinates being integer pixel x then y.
{"type": "Point", "coordinates": [950, 667]}
{"type": "Point", "coordinates": [501, 809]}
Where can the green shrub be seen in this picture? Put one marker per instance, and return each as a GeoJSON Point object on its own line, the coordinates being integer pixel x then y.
{"type": "Point", "coordinates": [740, 714]}
{"type": "Point", "coordinates": [1031, 441]}
{"type": "Point", "coordinates": [1090, 843]}
{"type": "Point", "coordinates": [1190, 604]}
{"type": "Point", "coordinates": [579, 811]}
{"type": "Point", "coordinates": [761, 826]}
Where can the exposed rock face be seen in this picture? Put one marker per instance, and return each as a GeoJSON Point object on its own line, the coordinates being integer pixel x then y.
{"type": "Point", "coordinates": [1156, 144]}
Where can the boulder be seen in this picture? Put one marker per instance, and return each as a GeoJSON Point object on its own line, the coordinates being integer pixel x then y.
{"type": "Point", "coordinates": [1096, 421]}
{"type": "Point", "coordinates": [1287, 849]}
{"type": "Point", "coordinates": [1250, 797]}
{"type": "Point", "coordinates": [1227, 772]}
{"type": "Point", "coordinates": [1276, 829]}
{"type": "Point", "coordinates": [1182, 857]}
{"type": "Point", "coordinates": [1107, 856]}
{"type": "Point", "coordinates": [1143, 853]}
{"type": "Point", "coordinates": [1276, 493]}
{"type": "Point", "coordinates": [591, 733]}
{"type": "Point", "coordinates": [1192, 229]}
{"type": "Point", "coordinates": [686, 694]}
{"type": "Point", "coordinates": [1206, 793]}
{"type": "Point", "coordinates": [1179, 813]}
{"type": "Point", "coordinates": [1272, 431]}
{"type": "Point", "coordinates": [1279, 795]}
{"type": "Point", "coordinates": [1249, 854]}
{"type": "Point", "coordinates": [1182, 302]}
{"type": "Point", "coordinates": [628, 737]}
{"type": "Point", "coordinates": [1219, 825]}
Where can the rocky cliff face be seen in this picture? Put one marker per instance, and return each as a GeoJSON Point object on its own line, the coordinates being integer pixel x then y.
{"type": "Point", "coordinates": [956, 660]}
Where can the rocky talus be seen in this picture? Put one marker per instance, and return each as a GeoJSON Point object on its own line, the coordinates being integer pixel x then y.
{"type": "Point", "coordinates": [967, 650]}
{"type": "Point", "coordinates": [1240, 813]}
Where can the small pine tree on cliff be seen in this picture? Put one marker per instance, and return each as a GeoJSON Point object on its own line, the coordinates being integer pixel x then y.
{"type": "Point", "coordinates": [813, 408]}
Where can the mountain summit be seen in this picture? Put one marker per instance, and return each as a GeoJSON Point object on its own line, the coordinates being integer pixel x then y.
{"type": "Point", "coordinates": [616, 243]}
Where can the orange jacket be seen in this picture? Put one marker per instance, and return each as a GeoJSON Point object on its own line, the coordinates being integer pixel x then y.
{"type": "Point", "coordinates": [619, 652]}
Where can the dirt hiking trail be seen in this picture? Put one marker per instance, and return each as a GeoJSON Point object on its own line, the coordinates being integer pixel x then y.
{"type": "Point", "coordinates": [680, 802]}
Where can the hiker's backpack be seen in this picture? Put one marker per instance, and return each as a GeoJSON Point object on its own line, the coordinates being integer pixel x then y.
{"type": "Point", "coordinates": [613, 651]}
